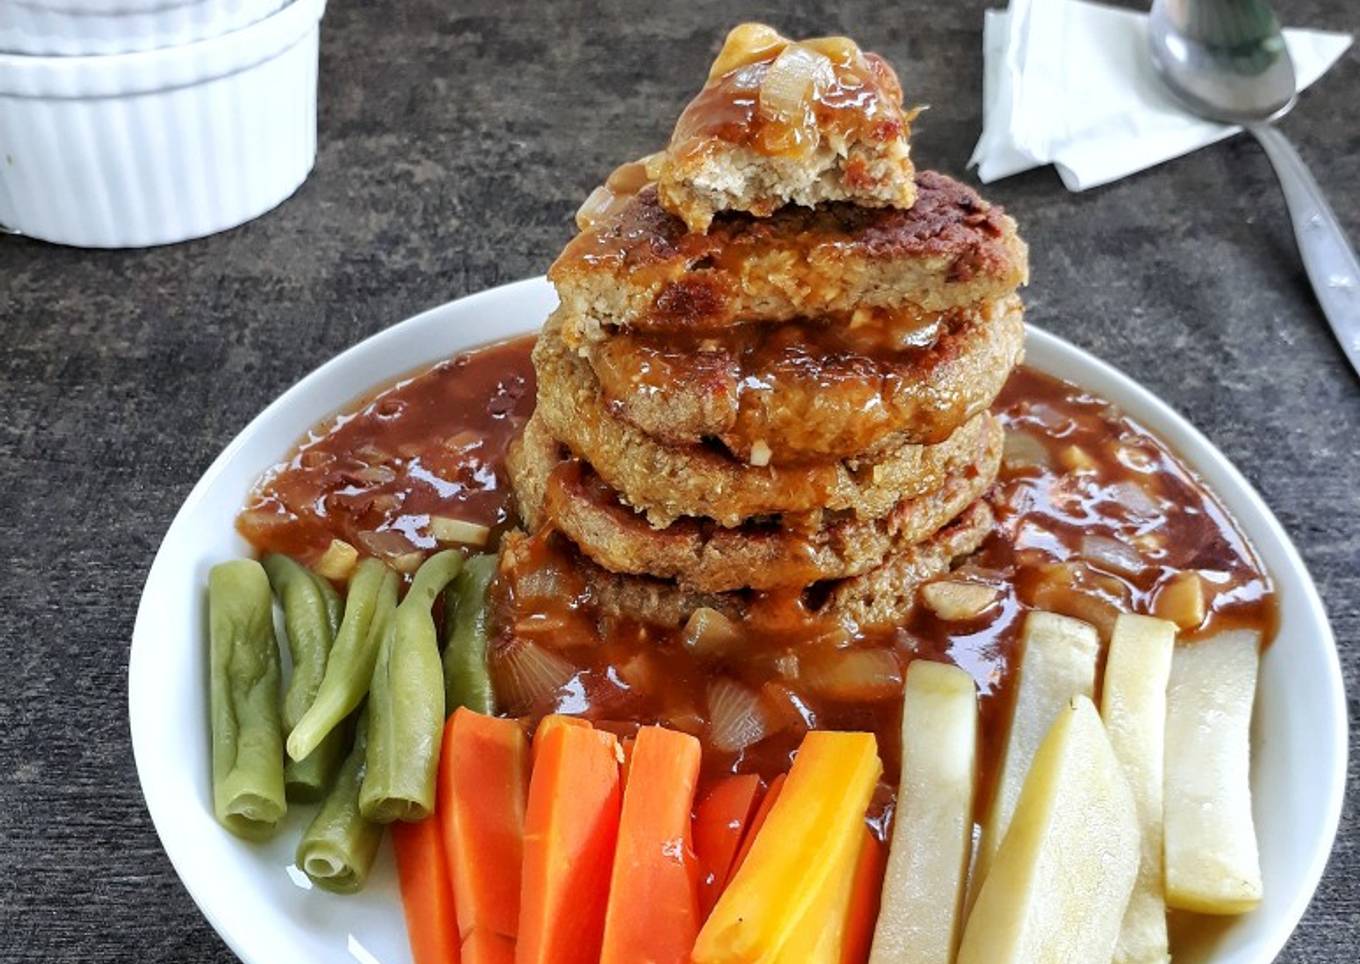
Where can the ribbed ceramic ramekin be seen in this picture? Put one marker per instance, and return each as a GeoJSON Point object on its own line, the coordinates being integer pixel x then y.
{"type": "Point", "coordinates": [88, 27]}
{"type": "Point", "coordinates": [160, 146]}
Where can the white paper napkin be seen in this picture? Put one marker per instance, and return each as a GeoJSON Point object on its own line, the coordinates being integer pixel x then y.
{"type": "Point", "coordinates": [1070, 83]}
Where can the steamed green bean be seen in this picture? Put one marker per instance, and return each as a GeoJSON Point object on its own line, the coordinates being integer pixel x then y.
{"type": "Point", "coordinates": [337, 849]}
{"type": "Point", "coordinates": [406, 703]}
{"type": "Point", "coordinates": [335, 605]}
{"type": "Point", "coordinates": [247, 734]}
{"type": "Point", "coordinates": [349, 670]}
{"type": "Point", "coordinates": [310, 621]}
{"type": "Point", "coordinates": [467, 680]}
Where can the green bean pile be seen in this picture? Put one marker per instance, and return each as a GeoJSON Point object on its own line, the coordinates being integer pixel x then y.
{"type": "Point", "coordinates": [362, 717]}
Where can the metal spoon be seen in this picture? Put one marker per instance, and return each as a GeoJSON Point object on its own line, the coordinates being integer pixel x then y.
{"type": "Point", "coordinates": [1226, 60]}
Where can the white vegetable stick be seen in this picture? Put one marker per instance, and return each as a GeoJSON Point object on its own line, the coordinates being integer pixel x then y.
{"type": "Point", "coordinates": [1133, 705]}
{"type": "Point", "coordinates": [1062, 878]}
{"type": "Point", "coordinates": [1058, 662]}
{"type": "Point", "coordinates": [1212, 862]}
{"type": "Point", "coordinates": [920, 914]}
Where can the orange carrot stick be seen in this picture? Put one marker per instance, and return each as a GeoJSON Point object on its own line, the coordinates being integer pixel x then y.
{"type": "Point", "coordinates": [483, 783]}
{"type": "Point", "coordinates": [426, 892]}
{"type": "Point", "coordinates": [653, 913]}
{"type": "Point", "coordinates": [862, 913]}
{"type": "Point", "coordinates": [570, 828]}
{"type": "Point", "coordinates": [626, 746]}
{"type": "Point", "coordinates": [720, 820]}
{"type": "Point", "coordinates": [484, 947]}
{"type": "Point", "coordinates": [757, 821]}
{"type": "Point", "coordinates": [551, 722]}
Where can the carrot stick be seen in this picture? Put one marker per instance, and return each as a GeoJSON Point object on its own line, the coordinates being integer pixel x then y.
{"type": "Point", "coordinates": [570, 828]}
{"type": "Point", "coordinates": [788, 900]}
{"type": "Point", "coordinates": [483, 782]}
{"type": "Point", "coordinates": [426, 893]}
{"type": "Point", "coordinates": [626, 745]}
{"type": "Point", "coordinates": [484, 947]}
{"type": "Point", "coordinates": [653, 912]}
{"type": "Point", "coordinates": [757, 821]}
{"type": "Point", "coordinates": [719, 823]}
{"type": "Point", "coordinates": [551, 722]}
{"type": "Point", "coordinates": [863, 911]}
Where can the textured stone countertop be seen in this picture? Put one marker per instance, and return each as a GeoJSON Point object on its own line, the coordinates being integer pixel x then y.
{"type": "Point", "coordinates": [456, 140]}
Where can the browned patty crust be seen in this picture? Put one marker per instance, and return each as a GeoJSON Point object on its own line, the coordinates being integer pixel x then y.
{"type": "Point", "coordinates": [641, 268]}
{"type": "Point", "coordinates": [881, 597]}
{"type": "Point", "coordinates": [665, 482]}
{"type": "Point", "coordinates": [555, 489]}
{"type": "Point", "coordinates": [798, 392]}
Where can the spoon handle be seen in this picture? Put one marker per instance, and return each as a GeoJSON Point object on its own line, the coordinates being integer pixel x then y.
{"type": "Point", "coordinates": [1327, 255]}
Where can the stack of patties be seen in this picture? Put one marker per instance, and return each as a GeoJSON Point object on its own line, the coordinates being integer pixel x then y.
{"type": "Point", "coordinates": [775, 352]}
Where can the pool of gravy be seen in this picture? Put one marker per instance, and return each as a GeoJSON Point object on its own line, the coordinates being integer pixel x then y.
{"type": "Point", "coordinates": [1095, 516]}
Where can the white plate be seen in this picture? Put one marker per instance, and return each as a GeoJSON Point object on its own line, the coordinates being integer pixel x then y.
{"type": "Point", "coordinates": [266, 915]}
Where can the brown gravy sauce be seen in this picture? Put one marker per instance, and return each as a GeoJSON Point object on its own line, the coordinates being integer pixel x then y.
{"type": "Point", "coordinates": [862, 99]}
{"type": "Point", "coordinates": [431, 444]}
{"type": "Point", "coordinates": [434, 444]}
{"type": "Point", "coordinates": [866, 374]}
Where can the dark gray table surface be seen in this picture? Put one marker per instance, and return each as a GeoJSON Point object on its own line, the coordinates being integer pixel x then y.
{"type": "Point", "coordinates": [456, 140]}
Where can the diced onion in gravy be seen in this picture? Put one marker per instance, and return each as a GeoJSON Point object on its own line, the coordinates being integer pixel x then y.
{"type": "Point", "coordinates": [1136, 499]}
{"type": "Point", "coordinates": [708, 632]}
{"type": "Point", "coordinates": [386, 544]}
{"type": "Point", "coordinates": [796, 74]}
{"type": "Point", "coordinates": [338, 561]}
{"type": "Point", "coordinates": [854, 674]}
{"type": "Point", "coordinates": [528, 675]}
{"type": "Point", "coordinates": [445, 529]}
{"type": "Point", "coordinates": [737, 717]}
{"type": "Point", "coordinates": [1111, 554]}
{"type": "Point", "coordinates": [953, 599]}
{"type": "Point", "coordinates": [746, 43]}
{"type": "Point", "coordinates": [1024, 451]}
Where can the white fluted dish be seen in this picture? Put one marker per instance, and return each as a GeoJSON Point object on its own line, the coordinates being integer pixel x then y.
{"type": "Point", "coordinates": [80, 28]}
{"type": "Point", "coordinates": [147, 148]}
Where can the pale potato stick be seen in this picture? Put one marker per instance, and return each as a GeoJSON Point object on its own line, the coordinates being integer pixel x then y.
{"type": "Point", "coordinates": [920, 916]}
{"type": "Point", "coordinates": [1133, 705]}
{"type": "Point", "coordinates": [1212, 862]}
{"type": "Point", "coordinates": [1059, 884]}
{"type": "Point", "coordinates": [1058, 662]}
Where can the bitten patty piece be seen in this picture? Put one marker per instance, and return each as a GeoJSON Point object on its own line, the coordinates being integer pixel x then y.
{"type": "Point", "coordinates": [881, 597]}
{"type": "Point", "coordinates": [639, 267]}
{"type": "Point", "coordinates": [665, 482]}
{"type": "Point", "coordinates": [554, 489]}
{"type": "Point", "coordinates": [794, 392]}
{"type": "Point", "coordinates": [781, 122]}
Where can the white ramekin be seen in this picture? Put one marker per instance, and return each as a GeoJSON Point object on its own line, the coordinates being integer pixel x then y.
{"type": "Point", "coordinates": [88, 27]}
{"type": "Point", "coordinates": [160, 146]}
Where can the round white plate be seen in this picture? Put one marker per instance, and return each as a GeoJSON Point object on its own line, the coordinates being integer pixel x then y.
{"type": "Point", "coordinates": [267, 913]}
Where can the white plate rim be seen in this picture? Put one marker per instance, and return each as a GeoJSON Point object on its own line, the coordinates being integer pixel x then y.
{"type": "Point", "coordinates": [1165, 422]}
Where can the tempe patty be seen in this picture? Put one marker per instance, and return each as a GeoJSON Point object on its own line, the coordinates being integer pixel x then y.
{"type": "Point", "coordinates": [555, 489]}
{"type": "Point", "coordinates": [780, 122]}
{"type": "Point", "coordinates": [806, 391]}
{"type": "Point", "coordinates": [665, 482]}
{"type": "Point", "coordinates": [640, 267]}
{"type": "Point", "coordinates": [881, 597]}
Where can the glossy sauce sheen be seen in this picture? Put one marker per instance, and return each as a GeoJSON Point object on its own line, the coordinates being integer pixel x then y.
{"type": "Point", "coordinates": [810, 390]}
{"type": "Point", "coordinates": [757, 357]}
{"type": "Point", "coordinates": [1127, 487]}
{"type": "Point", "coordinates": [433, 444]}
{"type": "Point", "coordinates": [863, 100]}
